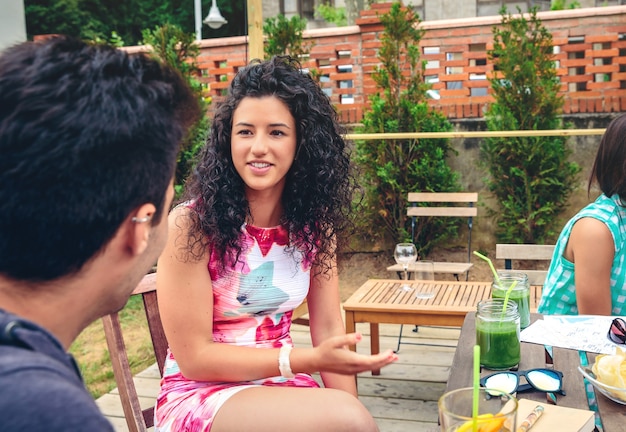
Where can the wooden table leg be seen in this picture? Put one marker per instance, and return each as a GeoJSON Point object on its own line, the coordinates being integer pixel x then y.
{"type": "Point", "coordinates": [350, 327]}
{"type": "Point", "coordinates": [375, 343]}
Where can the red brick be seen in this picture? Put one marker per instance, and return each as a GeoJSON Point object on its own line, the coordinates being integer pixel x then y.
{"type": "Point", "coordinates": [599, 105]}
{"type": "Point", "coordinates": [363, 48]}
{"type": "Point", "coordinates": [601, 38]}
{"type": "Point", "coordinates": [603, 86]}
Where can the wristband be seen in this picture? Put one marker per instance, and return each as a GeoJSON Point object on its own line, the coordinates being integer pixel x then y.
{"type": "Point", "coordinates": [284, 366]}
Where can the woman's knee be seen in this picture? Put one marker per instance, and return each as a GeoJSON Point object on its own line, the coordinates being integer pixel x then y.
{"type": "Point", "coordinates": [350, 414]}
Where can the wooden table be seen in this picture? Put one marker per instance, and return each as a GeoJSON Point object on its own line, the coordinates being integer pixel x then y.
{"type": "Point", "coordinates": [453, 268]}
{"type": "Point", "coordinates": [613, 415]}
{"type": "Point", "coordinates": [383, 301]}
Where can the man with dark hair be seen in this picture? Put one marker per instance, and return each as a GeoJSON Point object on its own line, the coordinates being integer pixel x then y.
{"type": "Point", "coordinates": [88, 142]}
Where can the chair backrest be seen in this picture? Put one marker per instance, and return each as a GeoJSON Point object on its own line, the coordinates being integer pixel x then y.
{"type": "Point", "coordinates": [510, 252]}
{"type": "Point", "coordinates": [301, 314]}
{"type": "Point", "coordinates": [138, 420]}
{"type": "Point", "coordinates": [444, 204]}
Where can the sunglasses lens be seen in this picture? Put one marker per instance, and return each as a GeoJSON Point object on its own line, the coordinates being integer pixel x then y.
{"type": "Point", "coordinates": [544, 380]}
{"type": "Point", "coordinates": [617, 332]}
{"type": "Point", "coordinates": [505, 382]}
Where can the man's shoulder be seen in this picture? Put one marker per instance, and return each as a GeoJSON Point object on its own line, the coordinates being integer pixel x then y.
{"type": "Point", "coordinates": [45, 394]}
{"type": "Point", "coordinates": [15, 359]}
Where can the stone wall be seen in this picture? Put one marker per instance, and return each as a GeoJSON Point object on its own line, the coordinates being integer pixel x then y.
{"type": "Point", "coordinates": [466, 163]}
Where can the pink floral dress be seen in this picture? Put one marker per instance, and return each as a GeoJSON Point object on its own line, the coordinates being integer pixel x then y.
{"type": "Point", "coordinates": [253, 301]}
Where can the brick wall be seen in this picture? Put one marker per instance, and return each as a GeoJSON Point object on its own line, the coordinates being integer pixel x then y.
{"type": "Point", "coordinates": [590, 50]}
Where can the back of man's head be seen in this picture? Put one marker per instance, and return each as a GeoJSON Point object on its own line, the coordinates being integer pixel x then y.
{"type": "Point", "coordinates": [87, 134]}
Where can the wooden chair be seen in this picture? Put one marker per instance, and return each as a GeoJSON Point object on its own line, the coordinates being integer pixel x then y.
{"type": "Point", "coordinates": [444, 204]}
{"type": "Point", "coordinates": [300, 314]}
{"type": "Point", "coordinates": [441, 204]}
{"type": "Point", "coordinates": [138, 420]}
{"type": "Point", "coordinates": [510, 252]}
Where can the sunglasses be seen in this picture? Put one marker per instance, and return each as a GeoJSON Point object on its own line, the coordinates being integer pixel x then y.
{"type": "Point", "coordinates": [617, 331]}
{"type": "Point", "coordinates": [545, 380]}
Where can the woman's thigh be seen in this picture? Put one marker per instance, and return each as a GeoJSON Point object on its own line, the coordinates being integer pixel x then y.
{"type": "Point", "coordinates": [274, 409]}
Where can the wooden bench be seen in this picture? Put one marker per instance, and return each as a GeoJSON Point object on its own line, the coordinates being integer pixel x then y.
{"type": "Point", "coordinates": [443, 204]}
{"type": "Point", "coordinates": [510, 252]}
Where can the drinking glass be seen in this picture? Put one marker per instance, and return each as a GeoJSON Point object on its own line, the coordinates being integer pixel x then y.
{"type": "Point", "coordinates": [405, 254]}
{"type": "Point", "coordinates": [520, 294]}
{"type": "Point", "coordinates": [497, 334]}
{"type": "Point", "coordinates": [424, 270]}
{"type": "Point", "coordinates": [496, 410]}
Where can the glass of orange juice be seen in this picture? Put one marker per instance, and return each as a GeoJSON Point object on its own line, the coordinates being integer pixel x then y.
{"type": "Point", "coordinates": [496, 411]}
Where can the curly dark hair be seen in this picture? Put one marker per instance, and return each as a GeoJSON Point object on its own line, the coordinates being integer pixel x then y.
{"type": "Point", "coordinates": [320, 184]}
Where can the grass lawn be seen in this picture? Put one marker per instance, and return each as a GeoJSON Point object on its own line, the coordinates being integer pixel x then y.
{"type": "Point", "coordinates": [91, 352]}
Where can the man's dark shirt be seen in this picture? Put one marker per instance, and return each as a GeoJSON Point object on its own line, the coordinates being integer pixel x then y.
{"type": "Point", "coordinates": [41, 388]}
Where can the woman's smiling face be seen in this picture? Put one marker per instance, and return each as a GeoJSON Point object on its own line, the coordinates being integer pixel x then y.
{"type": "Point", "coordinates": [263, 143]}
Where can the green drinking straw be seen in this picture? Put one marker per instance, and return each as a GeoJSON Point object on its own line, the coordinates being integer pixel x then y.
{"type": "Point", "coordinates": [476, 389]}
{"type": "Point", "coordinates": [506, 300]}
{"type": "Point", "coordinates": [495, 273]}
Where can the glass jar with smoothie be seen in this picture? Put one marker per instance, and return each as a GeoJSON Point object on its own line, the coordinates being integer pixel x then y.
{"type": "Point", "coordinates": [520, 293]}
{"type": "Point", "coordinates": [497, 334]}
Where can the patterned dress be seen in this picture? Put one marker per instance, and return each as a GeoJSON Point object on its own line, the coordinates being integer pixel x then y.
{"type": "Point", "coordinates": [253, 303]}
{"type": "Point", "coordinates": [559, 291]}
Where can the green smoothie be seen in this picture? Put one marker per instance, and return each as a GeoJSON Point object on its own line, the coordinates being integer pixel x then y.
{"type": "Point", "coordinates": [499, 344]}
{"type": "Point", "coordinates": [521, 297]}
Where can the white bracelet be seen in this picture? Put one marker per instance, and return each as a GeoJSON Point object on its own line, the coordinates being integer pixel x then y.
{"type": "Point", "coordinates": [284, 366]}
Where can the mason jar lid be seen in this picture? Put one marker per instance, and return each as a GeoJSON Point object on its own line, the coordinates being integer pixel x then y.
{"type": "Point", "coordinates": [513, 275]}
{"type": "Point", "coordinates": [509, 277]}
{"type": "Point", "coordinates": [492, 308]}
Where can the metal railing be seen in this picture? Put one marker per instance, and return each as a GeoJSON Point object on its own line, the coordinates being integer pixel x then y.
{"type": "Point", "coordinates": [478, 134]}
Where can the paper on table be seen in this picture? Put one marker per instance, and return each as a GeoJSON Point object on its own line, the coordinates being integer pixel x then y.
{"type": "Point", "coordinates": [579, 332]}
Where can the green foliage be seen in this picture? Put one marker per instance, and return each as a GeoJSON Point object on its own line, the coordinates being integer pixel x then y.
{"type": "Point", "coordinates": [179, 50]}
{"type": "Point", "coordinates": [284, 36]}
{"type": "Point", "coordinates": [95, 19]}
{"type": "Point", "coordinates": [55, 17]}
{"type": "Point", "coordinates": [564, 4]}
{"type": "Point", "coordinates": [115, 40]}
{"type": "Point", "coordinates": [331, 14]}
{"type": "Point", "coordinates": [393, 168]}
{"type": "Point", "coordinates": [176, 48]}
{"type": "Point", "coordinates": [530, 177]}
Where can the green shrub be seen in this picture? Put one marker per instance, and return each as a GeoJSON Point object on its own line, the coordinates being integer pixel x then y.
{"type": "Point", "coordinates": [284, 37]}
{"type": "Point", "coordinates": [179, 50]}
{"type": "Point", "coordinates": [564, 4]}
{"type": "Point", "coordinates": [332, 14]}
{"type": "Point", "coordinates": [391, 169]}
{"type": "Point", "coordinates": [530, 177]}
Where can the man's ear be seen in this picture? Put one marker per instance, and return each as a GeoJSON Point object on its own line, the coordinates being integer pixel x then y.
{"type": "Point", "coordinates": [140, 228]}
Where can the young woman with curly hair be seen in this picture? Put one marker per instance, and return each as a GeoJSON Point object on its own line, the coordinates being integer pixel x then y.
{"type": "Point", "coordinates": [266, 210]}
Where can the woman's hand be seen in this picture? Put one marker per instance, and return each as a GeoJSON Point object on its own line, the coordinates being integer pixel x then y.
{"type": "Point", "coordinates": [333, 355]}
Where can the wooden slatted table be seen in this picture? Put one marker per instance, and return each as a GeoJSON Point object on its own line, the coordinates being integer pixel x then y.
{"type": "Point", "coordinates": [383, 301]}
{"type": "Point", "coordinates": [613, 415]}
